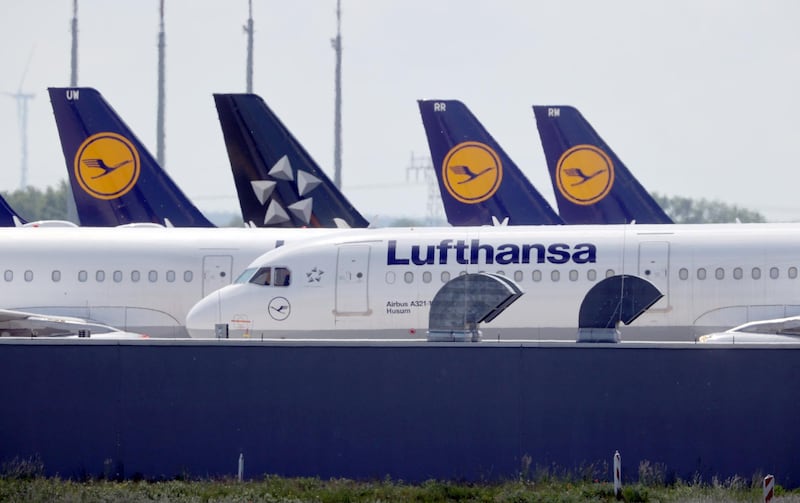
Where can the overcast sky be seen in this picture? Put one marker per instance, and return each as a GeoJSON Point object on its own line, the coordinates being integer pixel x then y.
{"type": "Point", "coordinates": [698, 98]}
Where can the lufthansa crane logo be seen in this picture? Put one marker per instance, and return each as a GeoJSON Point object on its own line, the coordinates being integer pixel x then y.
{"type": "Point", "coordinates": [279, 308]}
{"type": "Point", "coordinates": [585, 174]}
{"type": "Point", "coordinates": [472, 172]}
{"type": "Point", "coordinates": [107, 165]}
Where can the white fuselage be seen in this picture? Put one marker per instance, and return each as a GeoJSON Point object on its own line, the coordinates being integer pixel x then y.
{"type": "Point", "coordinates": [140, 279]}
{"type": "Point", "coordinates": [380, 282]}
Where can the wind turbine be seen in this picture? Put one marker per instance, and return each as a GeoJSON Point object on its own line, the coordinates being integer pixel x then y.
{"type": "Point", "coordinates": [22, 122]}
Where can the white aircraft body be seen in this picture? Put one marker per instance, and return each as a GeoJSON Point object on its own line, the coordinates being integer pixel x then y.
{"type": "Point", "coordinates": [141, 279]}
{"type": "Point", "coordinates": [381, 282]}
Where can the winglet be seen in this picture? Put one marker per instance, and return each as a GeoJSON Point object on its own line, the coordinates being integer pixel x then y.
{"type": "Point", "coordinates": [114, 179]}
{"type": "Point", "coordinates": [479, 183]}
{"type": "Point", "coordinates": [591, 184]}
{"type": "Point", "coordinates": [278, 183]}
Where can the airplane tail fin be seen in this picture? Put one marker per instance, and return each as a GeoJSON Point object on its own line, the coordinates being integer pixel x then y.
{"type": "Point", "coordinates": [9, 217]}
{"type": "Point", "coordinates": [591, 184]}
{"type": "Point", "coordinates": [278, 183]}
{"type": "Point", "coordinates": [114, 179]}
{"type": "Point", "coordinates": [478, 181]}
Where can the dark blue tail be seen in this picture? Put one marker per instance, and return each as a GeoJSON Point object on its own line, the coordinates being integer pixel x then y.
{"type": "Point", "coordinates": [591, 184]}
{"type": "Point", "coordinates": [480, 185]}
{"type": "Point", "coordinates": [9, 217]}
{"type": "Point", "coordinates": [278, 183]}
{"type": "Point", "coordinates": [114, 179]}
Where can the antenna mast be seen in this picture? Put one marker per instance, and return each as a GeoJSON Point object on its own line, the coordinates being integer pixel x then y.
{"type": "Point", "coordinates": [249, 30]}
{"type": "Point", "coordinates": [73, 79]}
{"type": "Point", "coordinates": [160, 117]}
{"type": "Point", "coordinates": [337, 124]}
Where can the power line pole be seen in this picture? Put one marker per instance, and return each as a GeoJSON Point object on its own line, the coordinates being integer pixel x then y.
{"type": "Point", "coordinates": [337, 124]}
{"type": "Point", "coordinates": [249, 30]}
{"type": "Point", "coordinates": [161, 98]}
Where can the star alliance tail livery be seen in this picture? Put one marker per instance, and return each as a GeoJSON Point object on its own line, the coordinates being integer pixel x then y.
{"type": "Point", "coordinates": [278, 183]}
{"type": "Point", "coordinates": [114, 179]}
{"type": "Point", "coordinates": [591, 184]}
{"type": "Point", "coordinates": [480, 184]}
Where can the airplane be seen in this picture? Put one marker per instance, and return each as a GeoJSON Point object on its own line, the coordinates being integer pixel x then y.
{"type": "Point", "coordinates": [592, 185]}
{"type": "Point", "coordinates": [381, 282]}
{"type": "Point", "coordinates": [129, 279]}
{"type": "Point", "coordinates": [479, 183]}
{"type": "Point", "coordinates": [278, 183]}
{"type": "Point", "coordinates": [114, 179]}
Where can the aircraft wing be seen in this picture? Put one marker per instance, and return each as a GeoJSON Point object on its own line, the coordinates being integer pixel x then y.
{"type": "Point", "coordinates": [778, 330]}
{"type": "Point", "coordinates": [23, 324]}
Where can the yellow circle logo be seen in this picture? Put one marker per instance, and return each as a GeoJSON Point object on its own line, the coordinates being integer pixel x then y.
{"type": "Point", "coordinates": [472, 172]}
{"type": "Point", "coordinates": [107, 165]}
{"type": "Point", "coordinates": [584, 174]}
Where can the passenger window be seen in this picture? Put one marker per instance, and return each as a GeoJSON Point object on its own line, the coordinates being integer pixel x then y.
{"type": "Point", "coordinates": [609, 273]}
{"type": "Point", "coordinates": [282, 276]}
{"type": "Point", "coordinates": [518, 275]}
{"type": "Point", "coordinates": [117, 276]}
{"type": "Point", "coordinates": [792, 272]}
{"type": "Point", "coordinates": [171, 276]}
{"type": "Point", "coordinates": [737, 273]}
{"type": "Point", "coordinates": [701, 273]}
{"type": "Point", "coordinates": [756, 273]}
{"type": "Point", "coordinates": [408, 277]}
{"type": "Point", "coordinates": [426, 277]}
{"type": "Point", "coordinates": [262, 277]}
{"type": "Point", "coordinates": [152, 276]}
{"type": "Point", "coordinates": [188, 276]}
{"type": "Point", "coordinates": [773, 272]}
{"type": "Point", "coordinates": [537, 275]}
{"type": "Point", "coordinates": [555, 275]}
{"type": "Point", "coordinates": [135, 275]}
{"type": "Point", "coordinates": [445, 276]}
{"type": "Point", "coordinates": [28, 275]}
{"type": "Point", "coordinates": [719, 273]}
{"type": "Point", "coordinates": [56, 276]}
{"type": "Point", "coordinates": [82, 275]}
{"type": "Point", "coordinates": [390, 278]}
{"type": "Point", "coordinates": [573, 275]}
{"type": "Point", "coordinates": [683, 273]}
{"type": "Point", "coordinates": [8, 275]}
{"type": "Point", "coordinates": [501, 273]}
{"type": "Point", "coordinates": [100, 276]}
{"type": "Point", "coordinates": [591, 275]}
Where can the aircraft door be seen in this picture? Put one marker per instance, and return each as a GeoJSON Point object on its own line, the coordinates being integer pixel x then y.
{"type": "Point", "coordinates": [217, 271]}
{"type": "Point", "coordinates": [352, 268]}
{"type": "Point", "coordinates": [654, 267]}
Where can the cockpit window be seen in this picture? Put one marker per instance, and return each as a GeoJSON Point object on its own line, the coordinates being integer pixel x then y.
{"type": "Point", "coordinates": [246, 275]}
{"type": "Point", "coordinates": [262, 276]}
{"type": "Point", "coordinates": [282, 276]}
{"type": "Point", "coordinates": [266, 276]}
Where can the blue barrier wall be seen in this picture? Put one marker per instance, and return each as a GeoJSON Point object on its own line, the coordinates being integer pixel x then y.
{"type": "Point", "coordinates": [409, 411]}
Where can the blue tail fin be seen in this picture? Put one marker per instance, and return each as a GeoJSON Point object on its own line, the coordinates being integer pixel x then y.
{"type": "Point", "coordinates": [9, 217]}
{"type": "Point", "coordinates": [278, 183]}
{"type": "Point", "coordinates": [114, 179]}
{"type": "Point", "coordinates": [480, 185]}
{"type": "Point", "coordinates": [591, 184]}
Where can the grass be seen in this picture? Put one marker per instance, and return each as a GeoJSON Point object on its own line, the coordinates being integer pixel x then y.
{"type": "Point", "coordinates": [22, 481]}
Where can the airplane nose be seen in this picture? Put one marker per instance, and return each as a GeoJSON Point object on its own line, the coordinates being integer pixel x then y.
{"type": "Point", "coordinates": [202, 318]}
